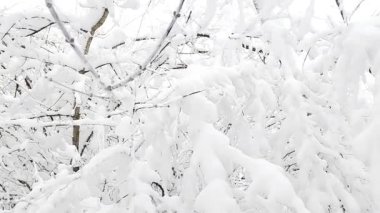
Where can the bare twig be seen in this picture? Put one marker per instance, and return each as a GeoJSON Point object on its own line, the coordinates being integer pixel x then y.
{"type": "Point", "coordinates": [35, 124]}
{"type": "Point", "coordinates": [304, 60]}
{"type": "Point", "coordinates": [94, 28]}
{"type": "Point", "coordinates": [193, 93]}
{"type": "Point", "coordinates": [287, 154]}
{"type": "Point", "coordinates": [25, 184]}
{"type": "Point", "coordinates": [356, 8]}
{"type": "Point", "coordinates": [5, 34]}
{"type": "Point", "coordinates": [153, 106]}
{"type": "Point", "coordinates": [136, 39]}
{"type": "Point", "coordinates": [49, 115]}
{"type": "Point", "coordinates": [87, 142]}
{"type": "Point", "coordinates": [39, 30]}
{"type": "Point", "coordinates": [338, 3]}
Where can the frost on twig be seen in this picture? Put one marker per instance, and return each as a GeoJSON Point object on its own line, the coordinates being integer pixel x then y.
{"type": "Point", "coordinates": [71, 41]}
{"type": "Point", "coordinates": [143, 67]}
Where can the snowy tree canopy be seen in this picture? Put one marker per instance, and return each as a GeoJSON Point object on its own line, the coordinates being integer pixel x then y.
{"type": "Point", "coordinates": [204, 106]}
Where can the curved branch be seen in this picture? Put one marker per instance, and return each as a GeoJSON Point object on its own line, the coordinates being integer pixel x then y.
{"type": "Point", "coordinates": [94, 28]}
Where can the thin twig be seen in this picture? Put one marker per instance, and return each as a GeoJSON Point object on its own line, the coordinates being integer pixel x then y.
{"type": "Point", "coordinates": [338, 3]}
{"type": "Point", "coordinates": [75, 90]}
{"type": "Point", "coordinates": [87, 142]}
{"type": "Point", "coordinates": [304, 60]}
{"type": "Point", "coordinates": [356, 8]}
{"type": "Point", "coordinates": [39, 30]}
{"type": "Point", "coordinates": [5, 34]}
{"type": "Point", "coordinates": [35, 124]}
{"type": "Point", "coordinates": [49, 115]}
{"type": "Point", "coordinates": [143, 67]}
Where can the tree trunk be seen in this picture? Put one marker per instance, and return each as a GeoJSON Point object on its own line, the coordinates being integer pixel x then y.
{"type": "Point", "coordinates": [76, 128]}
{"type": "Point", "coordinates": [76, 132]}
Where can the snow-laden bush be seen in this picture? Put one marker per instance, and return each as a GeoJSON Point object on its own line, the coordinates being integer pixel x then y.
{"type": "Point", "coordinates": [219, 106]}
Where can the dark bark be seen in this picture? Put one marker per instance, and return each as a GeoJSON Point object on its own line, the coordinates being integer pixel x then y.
{"type": "Point", "coordinates": [93, 30]}
{"type": "Point", "coordinates": [76, 132]}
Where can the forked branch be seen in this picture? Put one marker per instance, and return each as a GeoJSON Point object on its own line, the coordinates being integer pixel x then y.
{"type": "Point", "coordinates": [71, 41]}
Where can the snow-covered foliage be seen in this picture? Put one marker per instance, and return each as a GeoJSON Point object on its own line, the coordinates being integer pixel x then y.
{"type": "Point", "coordinates": [206, 106]}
